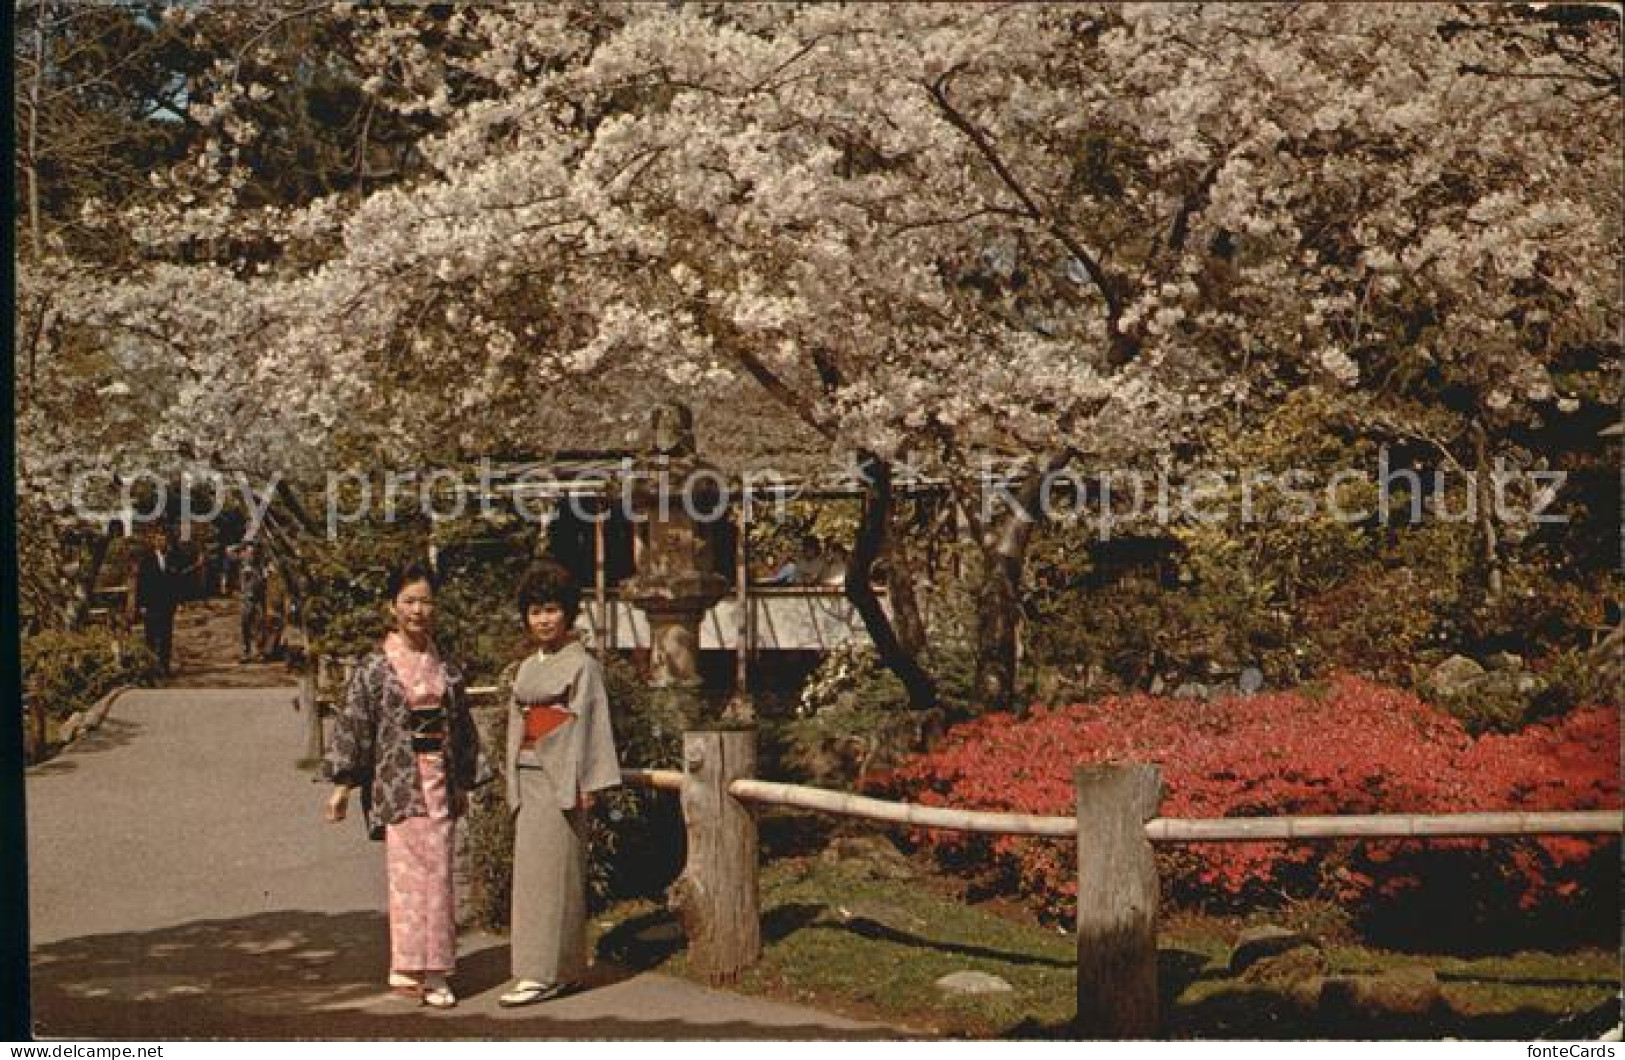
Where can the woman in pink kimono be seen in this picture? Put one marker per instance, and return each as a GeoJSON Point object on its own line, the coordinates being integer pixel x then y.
{"type": "Point", "coordinates": [560, 751]}
{"type": "Point", "coordinates": [404, 736]}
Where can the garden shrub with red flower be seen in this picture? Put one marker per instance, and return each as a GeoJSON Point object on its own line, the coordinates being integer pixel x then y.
{"type": "Point", "coordinates": [1354, 748]}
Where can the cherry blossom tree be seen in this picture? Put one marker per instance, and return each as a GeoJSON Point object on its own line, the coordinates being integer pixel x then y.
{"type": "Point", "coordinates": [1050, 235]}
{"type": "Point", "coordinates": [155, 379]}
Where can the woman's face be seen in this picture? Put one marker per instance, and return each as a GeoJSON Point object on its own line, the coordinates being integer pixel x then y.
{"type": "Point", "coordinates": [413, 608]}
{"type": "Point", "coordinates": [546, 622]}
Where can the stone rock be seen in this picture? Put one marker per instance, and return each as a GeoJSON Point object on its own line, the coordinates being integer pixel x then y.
{"type": "Point", "coordinates": [73, 728]}
{"type": "Point", "coordinates": [870, 855]}
{"type": "Point", "coordinates": [970, 984]}
{"type": "Point", "coordinates": [1455, 675]}
{"type": "Point", "coordinates": [1251, 681]}
{"type": "Point", "coordinates": [1300, 964]}
{"type": "Point", "coordinates": [1266, 940]}
{"type": "Point", "coordinates": [1413, 991]}
{"type": "Point", "coordinates": [1506, 685]}
{"type": "Point", "coordinates": [1503, 660]}
{"type": "Point", "coordinates": [1192, 690]}
{"type": "Point", "coordinates": [1529, 684]}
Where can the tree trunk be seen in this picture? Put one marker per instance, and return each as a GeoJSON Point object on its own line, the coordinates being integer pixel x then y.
{"type": "Point", "coordinates": [718, 898]}
{"type": "Point", "coordinates": [315, 742]}
{"type": "Point", "coordinates": [290, 500]}
{"type": "Point", "coordinates": [905, 604]}
{"type": "Point", "coordinates": [36, 711]}
{"type": "Point", "coordinates": [85, 592]}
{"type": "Point", "coordinates": [35, 227]}
{"type": "Point", "coordinates": [284, 553]}
{"type": "Point", "coordinates": [1004, 540]}
{"type": "Point", "coordinates": [1489, 536]}
{"type": "Point", "coordinates": [36, 231]}
{"type": "Point", "coordinates": [874, 540]}
{"type": "Point", "coordinates": [998, 604]}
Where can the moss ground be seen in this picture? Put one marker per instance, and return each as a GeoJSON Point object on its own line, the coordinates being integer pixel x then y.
{"type": "Point", "coordinates": [839, 939]}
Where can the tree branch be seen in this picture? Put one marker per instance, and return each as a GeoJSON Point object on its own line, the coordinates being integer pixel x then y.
{"type": "Point", "coordinates": [728, 338]}
{"type": "Point", "coordinates": [1196, 200]}
{"type": "Point", "coordinates": [869, 544]}
{"type": "Point", "coordinates": [1123, 347]}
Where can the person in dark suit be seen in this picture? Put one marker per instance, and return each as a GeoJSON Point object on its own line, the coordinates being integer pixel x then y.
{"type": "Point", "coordinates": [251, 584]}
{"type": "Point", "coordinates": [159, 586]}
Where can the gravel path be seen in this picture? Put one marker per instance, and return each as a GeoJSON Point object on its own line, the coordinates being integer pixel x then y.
{"type": "Point", "coordinates": [184, 885]}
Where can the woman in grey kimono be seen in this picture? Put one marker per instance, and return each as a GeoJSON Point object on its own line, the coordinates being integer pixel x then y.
{"type": "Point", "coordinates": [405, 737]}
{"type": "Point", "coordinates": [560, 750]}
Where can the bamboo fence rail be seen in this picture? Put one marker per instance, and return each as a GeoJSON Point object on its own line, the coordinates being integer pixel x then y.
{"type": "Point", "coordinates": [660, 779]}
{"type": "Point", "coordinates": [1383, 826]}
{"type": "Point", "coordinates": [1162, 829]}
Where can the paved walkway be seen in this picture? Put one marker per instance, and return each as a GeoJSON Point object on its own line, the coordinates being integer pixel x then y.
{"type": "Point", "coordinates": [183, 884]}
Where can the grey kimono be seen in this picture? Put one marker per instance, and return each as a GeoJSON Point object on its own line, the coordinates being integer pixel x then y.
{"type": "Point", "coordinates": [549, 923]}
{"type": "Point", "coordinates": [372, 742]}
{"type": "Point", "coordinates": [579, 757]}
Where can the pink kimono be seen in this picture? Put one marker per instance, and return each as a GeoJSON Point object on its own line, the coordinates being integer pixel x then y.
{"type": "Point", "coordinates": [419, 850]}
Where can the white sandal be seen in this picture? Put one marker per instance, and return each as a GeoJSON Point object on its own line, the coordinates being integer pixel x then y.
{"type": "Point", "coordinates": [529, 992]}
{"type": "Point", "coordinates": [437, 993]}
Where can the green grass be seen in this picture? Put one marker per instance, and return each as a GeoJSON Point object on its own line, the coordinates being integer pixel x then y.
{"type": "Point", "coordinates": [873, 949]}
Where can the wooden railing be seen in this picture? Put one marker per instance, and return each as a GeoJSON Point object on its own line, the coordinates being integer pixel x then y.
{"type": "Point", "coordinates": [717, 896]}
{"type": "Point", "coordinates": [1159, 829]}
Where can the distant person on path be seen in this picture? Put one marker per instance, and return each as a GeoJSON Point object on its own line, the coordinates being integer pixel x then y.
{"type": "Point", "coordinates": [276, 614]}
{"type": "Point", "coordinates": [251, 578]}
{"type": "Point", "coordinates": [404, 736]}
{"type": "Point", "coordinates": [560, 751]}
{"type": "Point", "coordinates": [159, 586]}
{"type": "Point", "coordinates": [807, 568]}
{"type": "Point", "coordinates": [834, 572]}
{"type": "Point", "coordinates": [228, 572]}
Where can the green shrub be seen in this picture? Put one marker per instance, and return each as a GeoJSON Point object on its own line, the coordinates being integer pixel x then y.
{"type": "Point", "coordinates": [69, 672]}
{"type": "Point", "coordinates": [1573, 679]}
{"type": "Point", "coordinates": [1491, 705]}
{"type": "Point", "coordinates": [854, 717]}
{"type": "Point", "coordinates": [475, 619]}
{"type": "Point", "coordinates": [1508, 700]}
{"type": "Point", "coordinates": [349, 575]}
{"type": "Point", "coordinates": [637, 835]}
{"type": "Point", "coordinates": [488, 836]}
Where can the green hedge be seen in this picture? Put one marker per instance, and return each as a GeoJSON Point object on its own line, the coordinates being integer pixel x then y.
{"type": "Point", "coordinates": [69, 672]}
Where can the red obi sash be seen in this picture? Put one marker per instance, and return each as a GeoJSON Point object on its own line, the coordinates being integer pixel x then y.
{"type": "Point", "coordinates": [541, 720]}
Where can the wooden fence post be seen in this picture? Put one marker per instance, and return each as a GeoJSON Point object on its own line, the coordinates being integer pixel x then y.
{"type": "Point", "coordinates": [716, 897]}
{"type": "Point", "coordinates": [307, 701]}
{"type": "Point", "coordinates": [1117, 902]}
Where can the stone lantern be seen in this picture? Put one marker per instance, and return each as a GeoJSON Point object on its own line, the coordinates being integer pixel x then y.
{"type": "Point", "coordinates": [674, 584]}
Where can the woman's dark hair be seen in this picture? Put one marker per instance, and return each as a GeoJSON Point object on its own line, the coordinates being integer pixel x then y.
{"type": "Point", "coordinates": [549, 582]}
{"type": "Point", "coordinates": [404, 574]}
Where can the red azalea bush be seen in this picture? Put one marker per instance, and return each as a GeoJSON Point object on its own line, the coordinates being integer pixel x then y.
{"type": "Point", "coordinates": [1357, 748]}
